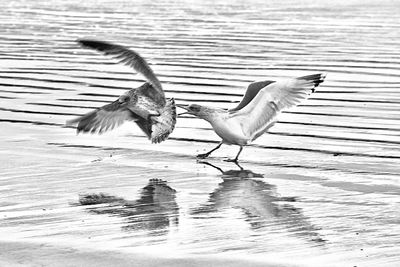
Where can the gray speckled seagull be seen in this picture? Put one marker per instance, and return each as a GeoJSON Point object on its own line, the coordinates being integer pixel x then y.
{"type": "Point", "coordinates": [145, 105]}
{"type": "Point", "coordinates": [257, 111]}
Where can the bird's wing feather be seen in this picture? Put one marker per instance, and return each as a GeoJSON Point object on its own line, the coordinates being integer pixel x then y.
{"type": "Point", "coordinates": [251, 92]}
{"type": "Point", "coordinates": [158, 128]}
{"type": "Point", "coordinates": [165, 123]}
{"type": "Point", "coordinates": [103, 119]}
{"type": "Point", "coordinates": [272, 99]}
{"type": "Point", "coordinates": [127, 57]}
{"type": "Point", "coordinates": [256, 121]}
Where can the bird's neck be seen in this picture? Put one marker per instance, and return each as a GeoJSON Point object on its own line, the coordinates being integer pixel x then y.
{"type": "Point", "coordinates": [214, 114]}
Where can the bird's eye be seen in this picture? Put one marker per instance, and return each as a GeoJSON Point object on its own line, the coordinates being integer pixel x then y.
{"type": "Point", "coordinates": [124, 98]}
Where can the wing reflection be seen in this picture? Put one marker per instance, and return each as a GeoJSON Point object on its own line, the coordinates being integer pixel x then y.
{"type": "Point", "coordinates": [155, 211]}
{"type": "Point", "coordinates": [259, 202]}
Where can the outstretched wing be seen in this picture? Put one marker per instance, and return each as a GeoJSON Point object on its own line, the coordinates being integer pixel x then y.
{"type": "Point", "coordinates": [251, 92]}
{"type": "Point", "coordinates": [130, 58]}
{"type": "Point", "coordinates": [104, 118]}
{"type": "Point", "coordinates": [272, 99]}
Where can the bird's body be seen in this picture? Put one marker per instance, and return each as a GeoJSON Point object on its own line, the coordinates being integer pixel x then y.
{"type": "Point", "coordinates": [257, 111]}
{"type": "Point", "coordinates": [145, 105]}
{"type": "Point", "coordinates": [229, 128]}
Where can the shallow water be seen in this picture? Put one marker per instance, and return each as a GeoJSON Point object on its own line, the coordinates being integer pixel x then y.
{"type": "Point", "coordinates": [321, 189]}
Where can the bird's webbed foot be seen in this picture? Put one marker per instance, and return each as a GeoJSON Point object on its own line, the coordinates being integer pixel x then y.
{"type": "Point", "coordinates": [231, 160]}
{"type": "Point", "coordinates": [205, 155]}
{"type": "Point", "coordinates": [202, 156]}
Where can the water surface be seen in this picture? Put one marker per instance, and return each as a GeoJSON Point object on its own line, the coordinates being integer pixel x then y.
{"type": "Point", "coordinates": [321, 189]}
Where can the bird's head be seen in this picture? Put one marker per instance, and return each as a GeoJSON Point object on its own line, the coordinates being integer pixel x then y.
{"type": "Point", "coordinates": [127, 98]}
{"type": "Point", "coordinates": [202, 112]}
{"type": "Point", "coordinates": [124, 98]}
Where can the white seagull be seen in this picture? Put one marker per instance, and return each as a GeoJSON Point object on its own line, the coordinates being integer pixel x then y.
{"type": "Point", "coordinates": [146, 105]}
{"type": "Point", "coordinates": [257, 111]}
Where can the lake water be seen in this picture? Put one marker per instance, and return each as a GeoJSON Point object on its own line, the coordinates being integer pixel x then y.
{"type": "Point", "coordinates": [322, 188]}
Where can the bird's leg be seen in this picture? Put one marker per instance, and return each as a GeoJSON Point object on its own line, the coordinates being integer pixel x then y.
{"type": "Point", "coordinates": [237, 156]}
{"type": "Point", "coordinates": [205, 155]}
{"type": "Point", "coordinates": [237, 164]}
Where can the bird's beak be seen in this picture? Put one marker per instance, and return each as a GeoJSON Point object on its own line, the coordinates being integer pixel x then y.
{"type": "Point", "coordinates": [185, 107]}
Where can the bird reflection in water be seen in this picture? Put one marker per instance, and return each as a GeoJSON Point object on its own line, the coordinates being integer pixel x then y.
{"type": "Point", "coordinates": [259, 202]}
{"type": "Point", "coordinates": [154, 212]}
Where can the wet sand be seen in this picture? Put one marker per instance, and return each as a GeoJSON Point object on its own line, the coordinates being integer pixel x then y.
{"type": "Point", "coordinates": [321, 189]}
{"type": "Point", "coordinates": [26, 254]}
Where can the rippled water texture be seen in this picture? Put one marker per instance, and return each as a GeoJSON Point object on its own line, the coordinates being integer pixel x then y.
{"type": "Point", "coordinates": [321, 189]}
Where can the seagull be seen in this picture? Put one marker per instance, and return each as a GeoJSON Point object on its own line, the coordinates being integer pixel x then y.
{"type": "Point", "coordinates": [145, 105]}
{"type": "Point", "coordinates": [256, 112]}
